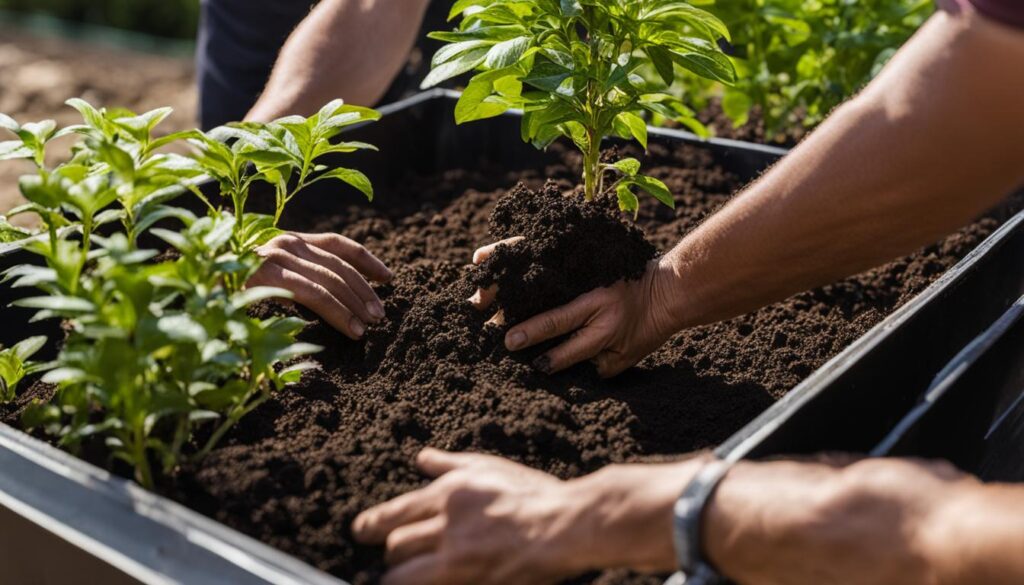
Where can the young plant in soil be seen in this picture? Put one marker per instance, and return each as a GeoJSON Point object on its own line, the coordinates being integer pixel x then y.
{"type": "Point", "coordinates": [157, 347]}
{"type": "Point", "coordinates": [15, 365]}
{"type": "Point", "coordinates": [571, 66]}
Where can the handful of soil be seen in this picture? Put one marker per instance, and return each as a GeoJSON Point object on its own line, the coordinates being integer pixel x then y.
{"type": "Point", "coordinates": [571, 247]}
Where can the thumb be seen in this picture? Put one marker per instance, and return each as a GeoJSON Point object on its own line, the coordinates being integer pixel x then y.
{"type": "Point", "coordinates": [435, 462]}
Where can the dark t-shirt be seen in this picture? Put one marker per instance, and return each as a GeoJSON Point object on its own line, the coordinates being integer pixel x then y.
{"type": "Point", "coordinates": [239, 41]}
{"type": "Point", "coordinates": [1007, 11]}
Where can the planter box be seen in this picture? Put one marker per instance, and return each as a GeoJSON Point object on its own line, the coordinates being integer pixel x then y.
{"type": "Point", "coordinates": [54, 504]}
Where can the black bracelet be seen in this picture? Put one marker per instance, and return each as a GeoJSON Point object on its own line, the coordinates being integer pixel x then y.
{"type": "Point", "coordinates": [689, 512]}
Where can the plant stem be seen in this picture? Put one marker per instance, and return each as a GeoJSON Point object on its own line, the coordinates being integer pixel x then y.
{"type": "Point", "coordinates": [143, 474]}
{"type": "Point", "coordinates": [236, 415]}
{"type": "Point", "coordinates": [592, 168]}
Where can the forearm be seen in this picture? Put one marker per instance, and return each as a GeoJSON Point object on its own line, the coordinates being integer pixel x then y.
{"type": "Point", "coordinates": [871, 523]}
{"type": "Point", "coordinates": [351, 49]}
{"type": "Point", "coordinates": [933, 142]}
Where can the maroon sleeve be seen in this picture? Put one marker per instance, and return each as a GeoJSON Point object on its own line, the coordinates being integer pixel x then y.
{"type": "Point", "coordinates": [1008, 11]}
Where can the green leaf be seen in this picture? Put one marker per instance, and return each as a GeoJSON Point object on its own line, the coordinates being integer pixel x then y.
{"type": "Point", "coordinates": [29, 347]}
{"type": "Point", "coordinates": [8, 123]}
{"type": "Point", "coordinates": [627, 200]}
{"type": "Point", "coordinates": [58, 303]}
{"type": "Point", "coordinates": [449, 52]}
{"type": "Point", "coordinates": [181, 328]}
{"type": "Point", "coordinates": [736, 106]}
{"type": "Point", "coordinates": [547, 76]}
{"type": "Point", "coordinates": [14, 150]}
{"type": "Point", "coordinates": [478, 101]}
{"type": "Point", "coordinates": [507, 53]}
{"type": "Point", "coordinates": [656, 188]}
{"type": "Point", "coordinates": [628, 166]}
{"type": "Point", "coordinates": [636, 125]}
{"type": "Point", "coordinates": [91, 115]}
{"type": "Point", "coordinates": [352, 177]}
{"type": "Point", "coordinates": [463, 63]}
{"type": "Point", "coordinates": [662, 60]}
{"type": "Point", "coordinates": [256, 294]}
{"type": "Point", "coordinates": [571, 8]}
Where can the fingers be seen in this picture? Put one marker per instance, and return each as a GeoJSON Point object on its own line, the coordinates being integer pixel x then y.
{"type": "Point", "coordinates": [319, 275]}
{"type": "Point", "coordinates": [484, 252]}
{"type": "Point", "coordinates": [337, 272]}
{"type": "Point", "coordinates": [312, 295]}
{"type": "Point", "coordinates": [610, 364]}
{"type": "Point", "coordinates": [578, 348]}
{"type": "Point", "coordinates": [412, 540]}
{"type": "Point", "coordinates": [554, 323]}
{"type": "Point", "coordinates": [483, 297]}
{"type": "Point", "coordinates": [435, 462]}
{"type": "Point", "coordinates": [352, 252]}
{"type": "Point", "coordinates": [374, 525]}
{"type": "Point", "coordinates": [428, 569]}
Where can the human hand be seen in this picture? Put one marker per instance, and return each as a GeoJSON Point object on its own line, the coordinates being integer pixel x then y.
{"type": "Point", "coordinates": [328, 274]}
{"type": "Point", "coordinates": [487, 520]}
{"type": "Point", "coordinates": [615, 327]}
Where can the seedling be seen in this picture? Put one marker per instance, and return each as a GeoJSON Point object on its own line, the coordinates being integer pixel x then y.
{"type": "Point", "coordinates": [571, 66]}
{"type": "Point", "coordinates": [284, 153]}
{"type": "Point", "coordinates": [153, 349]}
{"type": "Point", "coordinates": [15, 365]}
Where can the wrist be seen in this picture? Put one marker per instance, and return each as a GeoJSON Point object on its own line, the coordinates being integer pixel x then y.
{"type": "Point", "coordinates": [626, 518]}
{"type": "Point", "coordinates": [668, 298]}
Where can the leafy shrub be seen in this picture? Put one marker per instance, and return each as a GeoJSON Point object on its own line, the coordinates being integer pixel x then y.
{"type": "Point", "coordinates": [156, 345]}
{"type": "Point", "coordinates": [799, 59]}
{"type": "Point", "coordinates": [571, 65]}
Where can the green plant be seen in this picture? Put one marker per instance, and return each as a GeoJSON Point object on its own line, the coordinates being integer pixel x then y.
{"type": "Point", "coordinates": [283, 153]}
{"type": "Point", "coordinates": [10, 233]}
{"type": "Point", "coordinates": [156, 347]}
{"type": "Point", "coordinates": [571, 65]}
{"type": "Point", "coordinates": [799, 59]}
{"type": "Point", "coordinates": [15, 365]}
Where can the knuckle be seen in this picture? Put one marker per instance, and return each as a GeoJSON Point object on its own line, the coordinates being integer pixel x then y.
{"type": "Point", "coordinates": [288, 242]}
{"type": "Point", "coordinates": [549, 324]}
{"type": "Point", "coordinates": [275, 253]}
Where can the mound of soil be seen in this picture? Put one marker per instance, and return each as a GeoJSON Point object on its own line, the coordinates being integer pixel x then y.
{"type": "Point", "coordinates": [570, 247]}
{"type": "Point", "coordinates": [295, 473]}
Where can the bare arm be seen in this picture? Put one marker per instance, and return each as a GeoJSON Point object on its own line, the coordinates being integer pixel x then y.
{"type": "Point", "coordinates": [351, 49]}
{"type": "Point", "coordinates": [931, 143]}
{"type": "Point", "coordinates": [876, 522]}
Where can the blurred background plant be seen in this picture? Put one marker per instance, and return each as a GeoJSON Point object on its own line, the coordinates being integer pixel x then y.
{"type": "Point", "coordinates": [799, 59]}
{"type": "Point", "coordinates": [164, 18]}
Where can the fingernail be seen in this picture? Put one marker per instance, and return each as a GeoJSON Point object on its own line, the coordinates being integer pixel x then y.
{"type": "Point", "coordinates": [376, 309]}
{"type": "Point", "coordinates": [357, 327]}
{"type": "Point", "coordinates": [515, 340]}
{"type": "Point", "coordinates": [475, 299]}
{"type": "Point", "coordinates": [542, 364]}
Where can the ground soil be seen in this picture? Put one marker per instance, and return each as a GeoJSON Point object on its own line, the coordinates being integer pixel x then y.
{"type": "Point", "coordinates": [297, 471]}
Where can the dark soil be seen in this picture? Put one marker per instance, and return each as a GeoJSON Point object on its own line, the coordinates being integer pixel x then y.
{"type": "Point", "coordinates": [570, 247]}
{"type": "Point", "coordinates": [296, 472]}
